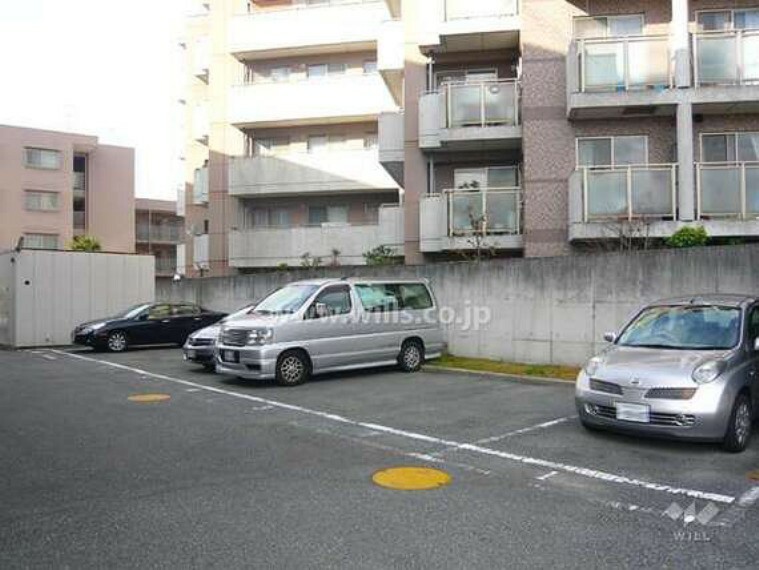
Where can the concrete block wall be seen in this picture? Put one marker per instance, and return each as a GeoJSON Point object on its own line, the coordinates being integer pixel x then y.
{"type": "Point", "coordinates": [542, 310]}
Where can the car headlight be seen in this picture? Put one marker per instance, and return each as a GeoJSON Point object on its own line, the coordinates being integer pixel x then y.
{"type": "Point", "coordinates": [592, 366]}
{"type": "Point", "coordinates": [708, 371]}
{"type": "Point", "coordinates": [260, 336]}
{"type": "Point", "coordinates": [96, 327]}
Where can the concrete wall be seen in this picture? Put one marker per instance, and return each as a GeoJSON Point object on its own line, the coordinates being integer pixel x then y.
{"type": "Point", "coordinates": [45, 294]}
{"type": "Point", "coordinates": [543, 310]}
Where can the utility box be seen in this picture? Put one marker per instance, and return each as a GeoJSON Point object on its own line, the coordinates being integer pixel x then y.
{"type": "Point", "coordinates": [45, 294]}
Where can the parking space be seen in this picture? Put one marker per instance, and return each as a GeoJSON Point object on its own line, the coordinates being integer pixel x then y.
{"type": "Point", "coordinates": [525, 474]}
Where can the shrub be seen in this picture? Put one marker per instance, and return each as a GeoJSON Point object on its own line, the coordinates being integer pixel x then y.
{"type": "Point", "coordinates": [380, 255]}
{"type": "Point", "coordinates": [84, 243]}
{"type": "Point", "coordinates": [689, 236]}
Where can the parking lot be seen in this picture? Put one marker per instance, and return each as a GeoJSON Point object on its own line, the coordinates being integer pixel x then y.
{"type": "Point", "coordinates": [230, 473]}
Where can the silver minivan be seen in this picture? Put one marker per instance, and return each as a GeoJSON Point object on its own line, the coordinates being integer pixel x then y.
{"type": "Point", "coordinates": [324, 325]}
{"type": "Point", "coordinates": [681, 368]}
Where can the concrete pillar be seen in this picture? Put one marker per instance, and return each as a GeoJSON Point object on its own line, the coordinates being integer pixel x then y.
{"type": "Point", "coordinates": [680, 43]}
{"type": "Point", "coordinates": [685, 162]}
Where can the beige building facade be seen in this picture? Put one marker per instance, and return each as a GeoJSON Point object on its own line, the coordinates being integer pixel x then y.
{"type": "Point", "coordinates": [55, 185]}
{"type": "Point", "coordinates": [159, 231]}
{"type": "Point", "coordinates": [522, 128]}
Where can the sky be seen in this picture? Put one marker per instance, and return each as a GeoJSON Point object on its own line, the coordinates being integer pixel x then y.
{"type": "Point", "coordinates": [99, 67]}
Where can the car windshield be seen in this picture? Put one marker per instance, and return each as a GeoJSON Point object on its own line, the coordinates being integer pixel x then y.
{"type": "Point", "coordinates": [132, 311]}
{"type": "Point", "coordinates": [702, 327]}
{"type": "Point", "coordinates": [246, 310]}
{"type": "Point", "coordinates": [287, 299]}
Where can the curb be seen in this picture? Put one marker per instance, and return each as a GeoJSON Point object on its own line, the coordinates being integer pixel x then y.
{"type": "Point", "coordinates": [497, 375]}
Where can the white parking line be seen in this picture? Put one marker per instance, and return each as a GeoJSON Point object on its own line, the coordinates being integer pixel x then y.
{"type": "Point", "coordinates": [525, 430]}
{"type": "Point", "coordinates": [514, 457]}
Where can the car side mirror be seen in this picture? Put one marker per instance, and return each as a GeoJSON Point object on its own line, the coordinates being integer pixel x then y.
{"type": "Point", "coordinates": [610, 336]}
{"type": "Point", "coordinates": [756, 344]}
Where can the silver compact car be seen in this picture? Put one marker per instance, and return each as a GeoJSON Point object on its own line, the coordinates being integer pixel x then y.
{"type": "Point", "coordinates": [199, 346]}
{"type": "Point", "coordinates": [681, 368]}
{"type": "Point", "coordinates": [324, 325]}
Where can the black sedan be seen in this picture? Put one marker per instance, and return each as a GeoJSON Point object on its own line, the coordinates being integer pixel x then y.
{"type": "Point", "coordinates": [145, 324]}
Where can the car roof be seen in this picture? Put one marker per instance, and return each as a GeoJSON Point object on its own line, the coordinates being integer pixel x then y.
{"type": "Point", "coordinates": [356, 280]}
{"type": "Point", "coordinates": [725, 299]}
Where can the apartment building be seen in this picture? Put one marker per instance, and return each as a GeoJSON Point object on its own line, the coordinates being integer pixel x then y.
{"type": "Point", "coordinates": [528, 128]}
{"type": "Point", "coordinates": [159, 231]}
{"type": "Point", "coordinates": [55, 185]}
{"type": "Point", "coordinates": [282, 160]}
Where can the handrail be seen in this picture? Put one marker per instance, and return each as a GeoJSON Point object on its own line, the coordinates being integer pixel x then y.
{"type": "Point", "coordinates": [448, 87]}
{"type": "Point", "coordinates": [743, 189]}
{"type": "Point", "coordinates": [486, 226]}
{"type": "Point", "coordinates": [739, 67]}
{"type": "Point", "coordinates": [628, 170]}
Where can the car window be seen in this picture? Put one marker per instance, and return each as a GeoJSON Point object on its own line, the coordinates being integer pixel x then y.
{"type": "Point", "coordinates": [183, 310]}
{"type": "Point", "coordinates": [337, 300]}
{"type": "Point", "coordinates": [379, 297]}
{"type": "Point", "coordinates": [159, 311]}
{"type": "Point", "coordinates": [415, 296]}
{"type": "Point", "coordinates": [753, 325]}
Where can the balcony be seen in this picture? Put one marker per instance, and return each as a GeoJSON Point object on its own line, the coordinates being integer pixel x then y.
{"type": "Point", "coordinates": [471, 116]}
{"type": "Point", "coordinates": [201, 126]}
{"type": "Point", "coordinates": [391, 145]}
{"type": "Point", "coordinates": [616, 77]}
{"type": "Point", "coordinates": [349, 98]}
{"type": "Point", "coordinates": [298, 174]}
{"type": "Point", "coordinates": [391, 57]}
{"type": "Point", "coordinates": [728, 198]}
{"type": "Point", "coordinates": [605, 199]}
{"type": "Point", "coordinates": [466, 25]}
{"type": "Point", "coordinates": [306, 29]}
{"type": "Point", "coordinates": [200, 252]}
{"type": "Point", "coordinates": [165, 266]}
{"type": "Point", "coordinates": [726, 70]}
{"type": "Point", "coordinates": [158, 233]}
{"type": "Point", "coordinates": [201, 58]}
{"type": "Point", "coordinates": [200, 187]}
{"type": "Point", "coordinates": [269, 247]}
{"type": "Point", "coordinates": [465, 220]}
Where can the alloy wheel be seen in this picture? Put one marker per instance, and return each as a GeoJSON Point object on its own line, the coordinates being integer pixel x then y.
{"type": "Point", "coordinates": [117, 342]}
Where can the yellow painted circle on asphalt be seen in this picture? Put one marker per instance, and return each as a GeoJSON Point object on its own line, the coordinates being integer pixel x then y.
{"type": "Point", "coordinates": [411, 478]}
{"type": "Point", "coordinates": [754, 475]}
{"type": "Point", "coordinates": [149, 398]}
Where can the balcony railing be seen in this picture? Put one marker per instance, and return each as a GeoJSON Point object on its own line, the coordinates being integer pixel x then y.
{"type": "Point", "coordinates": [165, 265]}
{"type": "Point", "coordinates": [79, 183]}
{"type": "Point", "coordinates": [200, 186]}
{"type": "Point", "coordinates": [484, 104]}
{"type": "Point", "coordinates": [489, 211]}
{"type": "Point", "coordinates": [624, 64]}
{"type": "Point", "coordinates": [459, 9]}
{"type": "Point", "coordinates": [629, 192]}
{"type": "Point", "coordinates": [158, 233]}
{"type": "Point", "coordinates": [728, 190]}
{"type": "Point", "coordinates": [726, 57]}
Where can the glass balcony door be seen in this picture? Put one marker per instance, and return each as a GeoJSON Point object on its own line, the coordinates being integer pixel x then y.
{"type": "Point", "coordinates": [482, 104]}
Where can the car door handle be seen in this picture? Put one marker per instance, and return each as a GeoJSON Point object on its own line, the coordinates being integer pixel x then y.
{"type": "Point", "coordinates": [166, 321]}
{"type": "Point", "coordinates": [198, 319]}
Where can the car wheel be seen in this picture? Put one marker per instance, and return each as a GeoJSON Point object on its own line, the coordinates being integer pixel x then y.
{"type": "Point", "coordinates": [209, 367]}
{"type": "Point", "coordinates": [411, 357]}
{"type": "Point", "coordinates": [739, 429]}
{"type": "Point", "coordinates": [117, 341]}
{"type": "Point", "coordinates": [292, 369]}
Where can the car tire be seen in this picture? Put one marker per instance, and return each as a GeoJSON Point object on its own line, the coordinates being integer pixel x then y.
{"type": "Point", "coordinates": [293, 368]}
{"type": "Point", "coordinates": [411, 356]}
{"type": "Point", "coordinates": [739, 428]}
{"type": "Point", "coordinates": [209, 367]}
{"type": "Point", "coordinates": [117, 341]}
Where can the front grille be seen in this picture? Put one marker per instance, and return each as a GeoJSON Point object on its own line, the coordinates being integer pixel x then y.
{"type": "Point", "coordinates": [235, 337]}
{"type": "Point", "coordinates": [201, 341]}
{"type": "Point", "coordinates": [607, 387]}
{"type": "Point", "coordinates": [671, 393]}
{"type": "Point", "coordinates": [657, 419]}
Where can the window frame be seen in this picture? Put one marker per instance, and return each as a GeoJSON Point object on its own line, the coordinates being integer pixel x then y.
{"type": "Point", "coordinates": [28, 164]}
{"type": "Point", "coordinates": [607, 27]}
{"type": "Point", "coordinates": [43, 235]}
{"type": "Point", "coordinates": [310, 312]}
{"type": "Point", "coordinates": [29, 193]}
{"type": "Point", "coordinates": [730, 11]}
{"type": "Point", "coordinates": [734, 135]}
{"type": "Point", "coordinates": [610, 138]}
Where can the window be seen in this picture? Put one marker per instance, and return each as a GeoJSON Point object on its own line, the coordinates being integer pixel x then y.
{"type": "Point", "coordinates": [371, 213]}
{"type": "Point", "coordinates": [337, 142]}
{"type": "Point", "coordinates": [336, 69]}
{"type": "Point", "coordinates": [279, 73]}
{"type": "Point", "coordinates": [41, 241]}
{"type": "Point", "coordinates": [730, 147]}
{"type": "Point", "coordinates": [316, 71]}
{"type": "Point", "coordinates": [370, 66]}
{"type": "Point", "coordinates": [371, 141]}
{"type": "Point", "coordinates": [720, 20]}
{"type": "Point", "coordinates": [41, 201]}
{"type": "Point", "coordinates": [465, 76]}
{"type": "Point", "coordinates": [383, 297]}
{"type": "Point", "coordinates": [612, 151]}
{"type": "Point", "coordinates": [185, 310]}
{"type": "Point", "coordinates": [272, 146]}
{"type": "Point", "coordinates": [161, 311]}
{"type": "Point", "coordinates": [271, 217]}
{"type": "Point", "coordinates": [43, 158]}
{"type": "Point", "coordinates": [490, 177]}
{"type": "Point", "coordinates": [318, 215]}
{"type": "Point", "coordinates": [336, 301]}
{"type": "Point", "coordinates": [317, 143]}
{"type": "Point", "coordinates": [753, 326]}
{"type": "Point", "coordinates": [608, 26]}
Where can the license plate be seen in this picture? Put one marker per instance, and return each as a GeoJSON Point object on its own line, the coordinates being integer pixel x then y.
{"type": "Point", "coordinates": [230, 356]}
{"type": "Point", "coordinates": [633, 412]}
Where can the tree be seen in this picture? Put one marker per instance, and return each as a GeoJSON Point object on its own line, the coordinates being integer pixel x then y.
{"type": "Point", "coordinates": [84, 243]}
{"type": "Point", "coordinates": [380, 255]}
{"type": "Point", "coordinates": [689, 236]}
